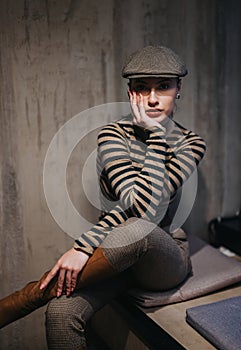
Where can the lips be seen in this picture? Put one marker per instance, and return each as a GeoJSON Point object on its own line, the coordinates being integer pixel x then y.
{"type": "Point", "coordinates": [154, 112]}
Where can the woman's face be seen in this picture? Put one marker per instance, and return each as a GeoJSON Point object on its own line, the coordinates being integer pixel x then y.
{"type": "Point", "coordinates": [159, 95]}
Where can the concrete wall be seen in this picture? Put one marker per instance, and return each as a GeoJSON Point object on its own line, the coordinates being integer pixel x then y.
{"type": "Point", "coordinates": [62, 57]}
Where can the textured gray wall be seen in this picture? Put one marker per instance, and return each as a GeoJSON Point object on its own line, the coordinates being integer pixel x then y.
{"type": "Point", "coordinates": [61, 57]}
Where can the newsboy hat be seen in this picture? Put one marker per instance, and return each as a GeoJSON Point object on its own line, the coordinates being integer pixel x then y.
{"type": "Point", "coordinates": [154, 61]}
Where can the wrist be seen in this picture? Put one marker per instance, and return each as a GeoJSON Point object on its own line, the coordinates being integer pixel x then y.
{"type": "Point", "coordinates": [79, 250]}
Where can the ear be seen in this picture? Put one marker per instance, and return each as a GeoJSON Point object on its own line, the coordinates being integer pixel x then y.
{"type": "Point", "coordinates": [179, 85]}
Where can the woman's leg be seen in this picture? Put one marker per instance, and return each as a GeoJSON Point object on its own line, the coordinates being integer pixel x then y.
{"type": "Point", "coordinates": [157, 260]}
{"type": "Point", "coordinates": [29, 298]}
{"type": "Point", "coordinates": [166, 262]}
{"type": "Point", "coordinates": [66, 317]}
{"type": "Point", "coordinates": [120, 250]}
{"type": "Point", "coordinates": [152, 261]}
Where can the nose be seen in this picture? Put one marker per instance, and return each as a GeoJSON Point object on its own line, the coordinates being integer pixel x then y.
{"type": "Point", "coordinates": [152, 98]}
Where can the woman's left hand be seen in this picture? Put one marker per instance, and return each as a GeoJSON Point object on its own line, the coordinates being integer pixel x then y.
{"type": "Point", "coordinates": [139, 114]}
{"type": "Point", "coordinates": [69, 266]}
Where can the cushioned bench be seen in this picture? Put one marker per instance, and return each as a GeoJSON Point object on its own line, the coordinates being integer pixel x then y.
{"type": "Point", "coordinates": [219, 323]}
{"type": "Point", "coordinates": [211, 271]}
{"type": "Point", "coordinates": [158, 319]}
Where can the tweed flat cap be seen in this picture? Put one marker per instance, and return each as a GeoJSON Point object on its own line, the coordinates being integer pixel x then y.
{"type": "Point", "coordinates": [154, 61]}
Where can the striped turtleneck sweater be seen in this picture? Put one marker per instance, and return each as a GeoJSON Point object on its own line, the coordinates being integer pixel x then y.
{"type": "Point", "coordinates": [140, 172]}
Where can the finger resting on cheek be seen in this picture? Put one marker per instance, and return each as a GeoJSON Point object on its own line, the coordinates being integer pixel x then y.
{"type": "Point", "coordinates": [141, 102]}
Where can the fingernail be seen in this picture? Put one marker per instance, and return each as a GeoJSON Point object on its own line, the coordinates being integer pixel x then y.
{"type": "Point", "coordinates": [42, 286]}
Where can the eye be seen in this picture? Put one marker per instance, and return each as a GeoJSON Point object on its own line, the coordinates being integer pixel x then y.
{"type": "Point", "coordinates": [164, 86]}
{"type": "Point", "coordinates": [141, 88]}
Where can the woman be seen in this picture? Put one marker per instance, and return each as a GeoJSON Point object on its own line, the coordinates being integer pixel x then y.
{"type": "Point", "coordinates": [143, 160]}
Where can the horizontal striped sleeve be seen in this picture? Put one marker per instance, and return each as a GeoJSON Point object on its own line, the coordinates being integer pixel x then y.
{"type": "Point", "coordinates": [124, 178]}
{"type": "Point", "coordinates": [138, 192]}
{"type": "Point", "coordinates": [90, 240]}
{"type": "Point", "coordinates": [138, 179]}
{"type": "Point", "coordinates": [184, 160]}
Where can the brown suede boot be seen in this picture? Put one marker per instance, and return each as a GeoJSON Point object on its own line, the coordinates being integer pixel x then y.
{"type": "Point", "coordinates": [97, 269]}
{"type": "Point", "coordinates": [30, 298]}
{"type": "Point", "coordinates": [26, 300]}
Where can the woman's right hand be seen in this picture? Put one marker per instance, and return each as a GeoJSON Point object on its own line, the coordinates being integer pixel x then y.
{"type": "Point", "coordinates": [68, 266]}
{"type": "Point", "coordinates": [138, 112]}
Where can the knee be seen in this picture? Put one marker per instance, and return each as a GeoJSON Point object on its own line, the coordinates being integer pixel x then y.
{"type": "Point", "coordinates": [58, 309]}
{"type": "Point", "coordinates": [67, 312]}
{"type": "Point", "coordinates": [59, 314]}
{"type": "Point", "coordinates": [65, 323]}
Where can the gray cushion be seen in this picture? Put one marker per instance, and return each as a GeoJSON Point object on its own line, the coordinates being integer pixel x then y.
{"type": "Point", "coordinates": [211, 271]}
{"type": "Point", "coordinates": [218, 322]}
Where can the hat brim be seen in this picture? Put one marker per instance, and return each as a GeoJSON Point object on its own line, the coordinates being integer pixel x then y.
{"type": "Point", "coordinates": [164, 75]}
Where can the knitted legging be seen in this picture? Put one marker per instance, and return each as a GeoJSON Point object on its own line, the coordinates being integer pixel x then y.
{"type": "Point", "coordinates": [154, 261]}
